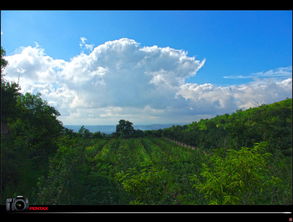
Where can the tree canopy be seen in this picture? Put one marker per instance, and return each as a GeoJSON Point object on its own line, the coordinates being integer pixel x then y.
{"type": "Point", "coordinates": [3, 62]}
{"type": "Point", "coordinates": [124, 128]}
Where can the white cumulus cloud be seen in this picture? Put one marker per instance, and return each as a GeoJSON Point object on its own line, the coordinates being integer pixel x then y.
{"type": "Point", "coordinates": [144, 84]}
{"type": "Point", "coordinates": [209, 98]}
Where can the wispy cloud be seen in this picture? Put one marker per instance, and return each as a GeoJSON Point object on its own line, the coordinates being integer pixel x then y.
{"type": "Point", "coordinates": [281, 72]}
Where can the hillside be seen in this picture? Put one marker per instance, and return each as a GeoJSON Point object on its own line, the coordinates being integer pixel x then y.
{"type": "Point", "coordinates": [152, 169]}
{"type": "Point", "coordinates": [271, 123]}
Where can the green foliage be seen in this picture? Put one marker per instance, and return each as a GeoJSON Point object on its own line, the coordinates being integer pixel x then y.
{"type": "Point", "coordinates": [32, 130]}
{"type": "Point", "coordinates": [272, 123]}
{"type": "Point", "coordinates": [147, 185]}
{"type": "Point", "coordinates": [72, 178]}
{"type": "Point", "coordinates": [84, 132]}
{"type": "Point", "coordinates": [124, 129]}
{"type": "Point", "coordinates": [3, 63]}
{"type": "Point", "coordinates": [240, 177]}
{"type": "Point", "coordinates": [8, 99]}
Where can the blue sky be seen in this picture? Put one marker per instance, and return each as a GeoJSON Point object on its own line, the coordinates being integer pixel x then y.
{"type": "Point", "coordinates": [233, 43]}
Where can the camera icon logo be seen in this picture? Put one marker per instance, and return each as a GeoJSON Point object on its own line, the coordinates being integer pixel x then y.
{"type": "Point", "coordinates": [17, 204]}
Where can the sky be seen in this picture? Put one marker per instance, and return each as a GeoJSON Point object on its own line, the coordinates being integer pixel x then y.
{"type": "Point", "coordinates": [97, 67]}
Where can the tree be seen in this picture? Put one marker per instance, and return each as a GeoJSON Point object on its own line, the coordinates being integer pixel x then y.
{"type": "Point", "coordinates": [9, 93]}
{"type": "Point", "coordinates": [98, 135]}
{"type": "Point", "coordinates": [238, 177]}
{"type": "Point", "coordinates": [147, 185]}
{"type": "Point", "coordinates": [32, 139]}
{"type": "Point", "coordinates": [84, 132]}
{"type": "Point", "coordinates": [3, 62]}
{"type": "Point", "coordinates": [124, 129]}
{"type": "Point", "coordinates": [138, 133]}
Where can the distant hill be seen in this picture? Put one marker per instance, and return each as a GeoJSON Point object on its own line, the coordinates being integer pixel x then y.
{"type": "Point", "coordinates": [271, 123]}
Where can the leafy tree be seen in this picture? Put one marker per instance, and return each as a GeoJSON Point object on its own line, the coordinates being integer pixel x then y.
{"type": "Point", "coordinates": [124, 129]}
{"type": "Point", "coordinates": [3, 62]}
{"type": "Point", "coordinates": [9, 95]}
{"type": "Point", "coordinates": [32, 139]}
{"type": "Point", "coordinates": [99, 135]}
{"type": "Point", "coordinates": [147, 185]}
{"type": "Point", "coordinates": [138, 133]}
{"type": "Point", "coordinates": [239, 177]}
{"type": "Point", "coordinates": [84, 132]}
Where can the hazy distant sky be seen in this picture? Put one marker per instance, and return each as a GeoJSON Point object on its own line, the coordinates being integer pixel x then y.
{"type": "Point", "coordinates": [96, 67]}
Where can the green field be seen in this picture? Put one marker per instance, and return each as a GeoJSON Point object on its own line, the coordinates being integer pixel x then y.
{"type": "Point", "coordinates": [156, 171]}
{"type": "Point", "coordinates": [145, 170]}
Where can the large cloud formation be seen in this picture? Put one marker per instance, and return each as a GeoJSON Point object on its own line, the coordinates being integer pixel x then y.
{"type": "Point", "coordinates": [122, 79]}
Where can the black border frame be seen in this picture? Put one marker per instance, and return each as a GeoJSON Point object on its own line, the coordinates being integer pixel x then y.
{"type": "Point", "coordinates": [198, 209]}
{"type": "Point", "coordinates": [282, 212]}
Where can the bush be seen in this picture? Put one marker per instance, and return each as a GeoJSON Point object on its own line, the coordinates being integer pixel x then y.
{"type": "Point", "coordinates": [239, 177]}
